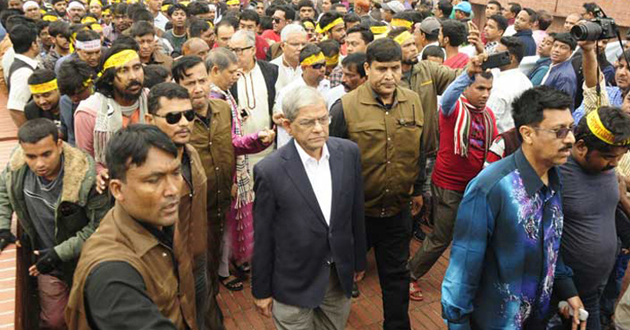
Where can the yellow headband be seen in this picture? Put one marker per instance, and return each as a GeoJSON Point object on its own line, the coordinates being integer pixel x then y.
{"type": "Point", "coordinates": [50, 18]}
{"type": "Point", "coordinates": [165, 7]}
{"type": "Point", "coordinates": [313, 59]}
{"type": "Point", "coordinates": [120, 59]}
{"type": "Point", "coordinates": [43, 88]}
{"type": "Point", "coordinates": [378, 29]}
{"type": "Point", "coordinates": [96, 2]}
{"type": "Point", "coordinates": [401, 38]}
{"type": "Point", "coordinates": [398, 22]}
{"type": "Point", "coordinates": [308, 25]}
{"type": "Point", "coordinates": [96, 27]}
{"type": "Point", "coordinates": [106, 12]}
{"type": "Point", "coordinates": [233, 2]}
{"type": "Point", "coordinates": [88, 19]}
{"type": "Point", "coordinates": [333, 60]}
{"type": "Point", "coordinates": [596, 127]}
{"type": "Point", "coordinates": [330, 25]}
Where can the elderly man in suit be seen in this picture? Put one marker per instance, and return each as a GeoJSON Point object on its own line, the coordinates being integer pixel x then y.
{"type": "Point", "coordinates": [308, 221]}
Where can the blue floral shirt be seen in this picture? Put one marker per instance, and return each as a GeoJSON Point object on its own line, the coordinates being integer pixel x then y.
{"type": "Point", "coordinates": [505, 249]}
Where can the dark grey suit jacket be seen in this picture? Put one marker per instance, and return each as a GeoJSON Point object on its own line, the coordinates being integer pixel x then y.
{"type": "Point", "coordinates": [294, 246]}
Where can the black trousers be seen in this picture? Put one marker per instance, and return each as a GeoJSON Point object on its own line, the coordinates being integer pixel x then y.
{"type": "Point", "coordinates": [390, 239]}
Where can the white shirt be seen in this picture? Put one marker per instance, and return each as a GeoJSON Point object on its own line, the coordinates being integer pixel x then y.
{"type": "Point", "coordinates": [319, 175]}
{"type": "Point", "coordinates": [510, 31]}
{"type": "Point", "coordinates": [333, 95]}
{"type": "Point", "coordinates": [160, 21]}
{"type": "Point", "coordinates": [435, 43]}
{"type": "Point", "coordinates": [506, 87]}
{"type": "Point", "coordinates": [20, 94]}
{"type": "Point", "coordinates": [286, 74]}
{"type": "Point", "coordinates": [7, 60]}
{"type": "Point", "coordinates": [258, 117]}
{"type": "Point", "coordinates": [323, 88]}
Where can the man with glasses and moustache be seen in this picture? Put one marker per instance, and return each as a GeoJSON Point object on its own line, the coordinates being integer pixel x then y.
{"type": "Point", "coordinates": [294, 38]}
{"type": "Point", "coordinates": [281, 17]}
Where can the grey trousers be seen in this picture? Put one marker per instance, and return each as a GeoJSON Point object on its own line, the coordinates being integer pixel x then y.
{"type": "Point", "coordinates": [331, 314]}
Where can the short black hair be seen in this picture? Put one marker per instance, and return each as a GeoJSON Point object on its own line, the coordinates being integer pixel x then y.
{"type": "Point", "coordinates": [227, 20]}
{"type": "Point", "coordinates": [72, 76]}
{"type": "Point", "coordinates": [168, 90]}
{"type": "Point", "coordinates": [23, 37]}
{"type": "Point", "coordinates": [383, 50]}
{"type": "Point", "coordinates": [87, 35]}
{"type": "Point", "coordinates": [305, 3]}
{"type": "Point", "coordinates": [527, 109]}
{"type": "Point", "coordinates": [183, 64]}
{"type": "Point", "coordinates": [355, 62]}
{"type": "Point", "coordinates": [308, 50]}
{"type": "Point", "coordinates": [142, 28]}
{"type": "Point", "coordinates": [289, 13]}
{"type": "Point", "coordinates": [133, 8]}
{"type": "Point", "coordinates": [337, 5]}
{"type": "Point", "coordinates": [350, 18]}
{"type": "Point", "coordinates": [502, 22]}
{"type": "Point", "coordinates": [614, 120]}
{"type": "Point", "coordinates": [41, 25]}
{"type": "Point", "coordinates": [544, 19]}
{"type": "Point", "coordinates": [198, 8]}
{"type": "Point", "coordinates": [366, 35]}
{"type": "Point", "coordinates": [37, 129]}
{"type": "Point", "coordinates": [515, 8]}
{"type": "Point", "coordinates": [590, 7]}
{"type": "Point", "coordinates": [515, 47]}
{"type": "Point", "coordinates": [120, 9]}
{"type": "Point", "coordinates": [196, 27]}
{"type": "Point", "coordinates": [40, 76]}
{"type": "Point", "coordinates": [59, 27]}
{"type": "Point", "coordinates": [566, 38]}
{"type": "Point", "coordinates": [4, 16]}
{"type": "Point", "coordinates": [329, 47]}
{"type": "Point", "coordinates": [266, 23]}
{"type": "Point", "coordinates": [142, 15]}
{"type": "Point", "coordinates": [155, 74]}
{"type": "Point", "coordinates": [177, 6]}
{"type": "Point", "coordinates": [251, 15]}
{"type": "Point", "coordinates": [446, 7]}
{"type": "Point", "coordinates": [455, 31]}
{"type": "Point", "coordinates": [131, 145]}
{"type": "Point", "coordinates": [435, 51]}
{"type": "Point", "coordinates": [533, 16]}
{"type": "Point", "coordinates": [496, 3]}
{"type": "Point", "coordinates": [328, 18]}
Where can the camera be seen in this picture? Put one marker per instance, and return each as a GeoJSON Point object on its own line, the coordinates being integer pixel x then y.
{"type": "Point", "coordinates": [596, 29]}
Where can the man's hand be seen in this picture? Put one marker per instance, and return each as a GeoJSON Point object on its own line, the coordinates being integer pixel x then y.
{"type": "Point", "coordinates": [6, 238]}
{"type": "Point", "coordinates": [416, 205]}
{"type": "Point", "coordinates": [102, 179]}
{"type": "Point", "coordinates": [266, 136]}
{"type": "Point", "coordinates": [474, 66]}
{"type": "Point", "coordinates": [474, 37]}
{"type": "Point", "coordinates": [48, 260]}
{"type": "Point", "coordinates": [358, 276]}
{"type": "Point", "coordinates": [263, 306]}
{"type": "Point", "coordinates": [576, 304]}
{"type": "Point", "coordinates": [277, 118]}
{"type": "Point", "coordinates": [587, 45]}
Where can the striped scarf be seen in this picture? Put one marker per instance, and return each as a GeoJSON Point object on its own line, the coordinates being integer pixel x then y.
{"type": "Point", "coordinates": [462, 127]}
{"type": "Point", "coordinates": [244, 183]}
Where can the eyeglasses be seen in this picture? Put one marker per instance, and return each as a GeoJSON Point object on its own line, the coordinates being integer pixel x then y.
{"type": "Point", "coordinates": [318, 66]}
{"type": "Point", "coordinates": [324, 121]}
{"type": "Point", "coordinates": [277, 20]}
{"type": "Point", "coordinates": [560, 133]}
{"type": "Point", "coordinates": [173, 118]}
{"type": "Point", "coordinates": [240, 50]}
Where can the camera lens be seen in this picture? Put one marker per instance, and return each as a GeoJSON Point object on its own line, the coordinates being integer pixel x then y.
{"type": "Point", "coordinates": [586, 31]}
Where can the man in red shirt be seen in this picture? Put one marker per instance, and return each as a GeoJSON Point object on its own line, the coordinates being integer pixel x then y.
{"type": "Point", "coordinates": [467, 129]}
{"type": "Point", "coordinates": [281, 17]}
{"type": "Point", "coordinates": [452, 35]}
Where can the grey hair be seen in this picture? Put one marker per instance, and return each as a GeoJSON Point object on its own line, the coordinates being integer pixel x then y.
{"type": "Point", "coordinates": [290, 29]}
{"type": "Point", "coordinates": [220, 57]}
{"type": "Point", "coordinates": [298, 98]}
{"type": "Point", "coordinates": [250, 37]}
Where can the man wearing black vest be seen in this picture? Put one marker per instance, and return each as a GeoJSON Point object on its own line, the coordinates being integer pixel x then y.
{"type": "Point", "coordinates": [24, 39]}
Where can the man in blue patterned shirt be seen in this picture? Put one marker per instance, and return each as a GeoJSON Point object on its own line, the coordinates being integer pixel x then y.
{"type": "Point", "coordinates": [504, 260]}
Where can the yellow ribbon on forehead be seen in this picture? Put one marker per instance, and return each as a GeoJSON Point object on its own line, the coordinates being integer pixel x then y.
{"type": "Point", "coordinates": [165, 7]}
{"type": "Point", "coordinates": [119, 59]}
{"type": "Point", "coordinates": [233, 2]}
{"type": "Point", "coordinates": [96, 2]}
{"type": "Point", "coordinates": [44, 87]}
{"type": "Point", "coordinates": [50, 18]}
{"type": "Point", "coordinates": [315, 58]}
{"type": "Point", "coordinates": [88, 20]}
{"type": "Point", "coordinates": [332, 60]}
{"type": "Point", "coordinates": [329, 26]}
{"type": "Point", "coordinates": [378, 29]}
{"type": "Point", "coordinates": [598, 129]}
{"type": "Point", "coordinates": [401, 38]}
{"type": "Point", "coordinates": [308, 25]}
{"type": "Point", "coordinates": [399, 22]}
{"type": "Point", "coordinates": [96, 27]}
{"type": "Point", "coordinates": [107, 12]}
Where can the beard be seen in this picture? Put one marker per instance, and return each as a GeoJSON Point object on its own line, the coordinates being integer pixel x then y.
{"type": "Point", "coordinates": [129, 96]}
{"type": "Point", "coordinates": [410, 61]}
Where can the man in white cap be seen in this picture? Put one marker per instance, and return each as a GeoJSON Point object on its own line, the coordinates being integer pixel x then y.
{"type": "Point", "coordinates": [31, 10]}
{"type": "Point", "coordinates": [392, 8]}
{"type": "Point", "coordinates": [76, 11]}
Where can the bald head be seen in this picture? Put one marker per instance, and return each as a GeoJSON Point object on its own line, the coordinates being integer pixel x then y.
{"type": "Point", "coordinates": [196, 47]}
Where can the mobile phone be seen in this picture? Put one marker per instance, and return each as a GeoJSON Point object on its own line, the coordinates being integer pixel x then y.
{"type": "Point", "coordinates": [496, 60]}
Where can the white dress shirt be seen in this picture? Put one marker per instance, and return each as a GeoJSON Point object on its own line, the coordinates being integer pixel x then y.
{"type": "Point", "coordinates": [319, 175]}
{"type": "Point", "coordinates": [20, 94]}
{"type": "Point", "coordinates": [286, 74]}
{"type": "Point", "coordinates": [506, 87]}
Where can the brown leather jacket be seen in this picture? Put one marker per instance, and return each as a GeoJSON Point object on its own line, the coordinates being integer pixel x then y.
{"type": "Point", "coordinates": [193, 206]}
{"type": "Point", "coordinates": [389, 141]}
{"type": "Point", "coordinates": [121, 238]}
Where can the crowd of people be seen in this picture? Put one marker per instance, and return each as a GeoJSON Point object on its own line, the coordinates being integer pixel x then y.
{"type": "Point", "coordinates": [167, 148]}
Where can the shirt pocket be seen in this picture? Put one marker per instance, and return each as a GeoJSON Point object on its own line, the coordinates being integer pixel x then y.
{"type": "Point", "coordinates": [370, 136]}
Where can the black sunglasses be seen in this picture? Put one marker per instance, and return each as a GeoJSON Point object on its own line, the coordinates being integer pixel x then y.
{"type": "Point", "coordinates": [318, 66]}
{"type": "Point", "coordinates": [278, 20]}
{"type": "Point", "coordinates": [173, 118]}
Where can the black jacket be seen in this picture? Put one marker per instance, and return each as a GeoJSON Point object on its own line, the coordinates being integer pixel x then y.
{"type": "Point", "coordinates": [270, 72]}
{"type": "Point", "coordinates": [295, 247]}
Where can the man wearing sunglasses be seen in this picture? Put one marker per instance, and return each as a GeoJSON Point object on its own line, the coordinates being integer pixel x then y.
{"type": "Point", "coordinates": [506, 241]}
{"type": "Point", "coordinates": [313, 65]}
{"type": "Point", "coordinates": [170, 109]}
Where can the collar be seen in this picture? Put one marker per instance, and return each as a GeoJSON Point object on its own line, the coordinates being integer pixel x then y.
{"type": "Point", "coordinates": [139, 237]}
{"type": "Point", "coordinates": [304, 157]}
{"type": "Point", "coordinates": [531, 180]}
{"type": "Point", "coordinates": [523, 33]}
{"type": "Point", "coordinates": [30, 61]}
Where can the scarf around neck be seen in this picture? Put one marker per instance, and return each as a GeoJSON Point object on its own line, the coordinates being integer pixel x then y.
{"type": "Point", "coordinates": [463, 127]}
